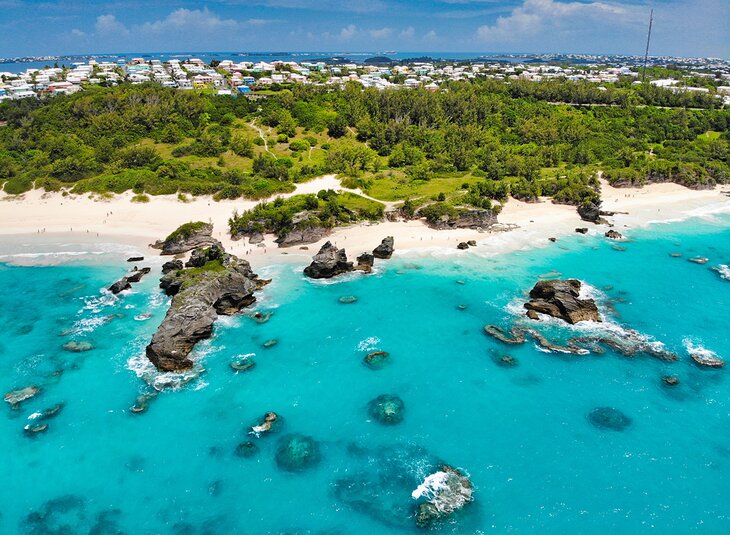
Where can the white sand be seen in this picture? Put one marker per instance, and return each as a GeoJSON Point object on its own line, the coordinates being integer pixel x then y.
{"type": "Point", "coordinates": [120, 220]}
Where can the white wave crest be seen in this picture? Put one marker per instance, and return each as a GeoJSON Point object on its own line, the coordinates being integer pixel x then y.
{"type": "Point", "coordinates": [723, 270]}
{"type": "Point", "coordinates": [695, 348]}
{"type": "Point", "coordinates": [431, 486]}
{"type": "Point", "coordinates": [368, 344]}
{"type": "Point", "coordinates": [145, 370]}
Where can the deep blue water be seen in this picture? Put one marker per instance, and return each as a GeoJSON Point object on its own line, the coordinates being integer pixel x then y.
{"type": "Point", "coordinates": [521, 433]}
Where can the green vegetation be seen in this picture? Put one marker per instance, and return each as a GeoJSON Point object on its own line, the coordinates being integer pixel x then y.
{"type": "Point", "coordinates": [469, 145]}
{"type": "Point", "coordinates": [184, 231]}
{"type": "Point", "coordinates": [326, 209]}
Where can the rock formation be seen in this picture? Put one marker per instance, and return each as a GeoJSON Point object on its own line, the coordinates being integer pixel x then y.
{"type": "Point", "coordinates": [365, 263]}
{"type": "Point", "coordinates": [446, 492]}
{"type": "Point", "coordinates": [16, 397]}
{"type": "Point", "coordinates": [125, 283]}
{"type": "Point", "coordinates": [590, 212]}
{"type": "Point", "coordinates": [328, 262]}
{"type": "Point", "coordinates": [302, 235]}
{"type": "Point", "coordinates": [385, 250]}
{"type": "Point", "coordinates": [473, 219]}
{"type": "Point", "coordinates": [172, 265]}
{"type": "Point", "coordinates": [560, 299]}
{"type": "Point", "coordinates": [223, 285]}
{"type": "Point", "coordinates": [186, 238]}
{"type": "Point", "coordinates": [613, 235]}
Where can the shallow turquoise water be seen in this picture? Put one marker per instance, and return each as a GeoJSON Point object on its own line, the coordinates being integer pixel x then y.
{"type": "Point", "coordinates": [521, 433]}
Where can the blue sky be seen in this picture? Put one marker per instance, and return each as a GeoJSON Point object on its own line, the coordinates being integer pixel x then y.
{"type": "Point", "coordinates": [687, 28]}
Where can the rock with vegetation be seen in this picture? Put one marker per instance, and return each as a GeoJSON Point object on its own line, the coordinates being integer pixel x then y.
{"type": "Point", "coordinates": [223, 285]}
{"type": "Point", "coordinates": [385, 250]}
{"type": "Point", "coordinates": [561, 299]}
{"type": "Point", "coordinates": [445, 492]}
{"type": "Point", "coordinates": [441, 216]}
{"type": "Point", "coordinates": [329, 262]}
{"type": "Point", "coordinates": [186, 238]}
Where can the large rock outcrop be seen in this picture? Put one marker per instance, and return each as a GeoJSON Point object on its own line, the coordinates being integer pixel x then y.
{"type": "Point", "coordinates": [590, 211]}
{"type": "Point", "coordinates": [561, 299]}
{"type": "Point", "coordinates": [328, 262]}
{"type": "Point", "coordinates": [385, 249]}
{"type": "Point", "coordinates": [219, 284]}
{"type": "Point", "coordinates": [301, 236]}
{"type": "Point", "coordinates": [473, 219]}
{"type": "Point", "coordinates": [186, 238]}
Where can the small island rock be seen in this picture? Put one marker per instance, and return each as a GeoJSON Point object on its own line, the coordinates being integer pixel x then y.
{"type": "Point", "coordinates": [329, 262]}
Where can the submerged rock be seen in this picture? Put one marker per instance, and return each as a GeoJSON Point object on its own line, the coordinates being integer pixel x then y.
{"type": "Point", "coordinates": [670, 380]}
{"type": "Point", "coordinates": [270, 343]}
{"type": "Point", "coordinates": [560, 299]}
{"type": "Point", "coordinates": [378, 482]}
{"type": "Point", "coordinates": [16, 397]}
{"type": "Point", "coordinates": [504, 361]}
{"type": "Point", "coordinates": [385, 249]}
{"type": "Point", "coordinates": [376, 359]}
{"type": "Point", "coordinates": [387, 409]}
{"type": "Point", "coordinates": [329, 262]}
{"type": "Point", "coordinates": [243, 364]}
{"type": "Point", "coordinates": [186, 238]}
{"type": "Point", "coordinates": [76, 346]}
{"type": "Point", "coordinates": [223, 286]}
{"type": "Point", "coordinates": [142, 402]}
{"type": "Point", "coordinates": [296, 453]}
{"type": "Point", "coordinates": [261, 317]}
{"type": "Point", "coordinates": [246, 449]}
{"type": "Point", "coordinates": [446, 492]}
{"type": "Point", "coordinates": [609, 418]}
{"type": "Point", "coordinates": [699, 260]}
{"type": "Point", "coordinates": [347, 299]}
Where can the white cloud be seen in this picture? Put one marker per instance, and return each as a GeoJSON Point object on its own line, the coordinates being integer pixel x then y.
{"type": "Point", "coordinates": [77, 33]}
{"type": "Point", "coordinates": [108, 25]}
{"type": "Point", "coordinates": [193, 19]}
{"type": "Point", "coordinates": [535, 16]}
{"type": "Point", "coordinates": [348, 32]}
{"type": "Point", "coordinates": [382, 33]}
{"type": "Point", "coordinates": [407, 33]}
{"type": "Point", "coordinates": [430, 36]}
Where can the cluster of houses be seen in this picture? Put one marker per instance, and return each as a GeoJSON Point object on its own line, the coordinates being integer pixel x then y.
{"type": "Point", "coordinates": [247, 77]}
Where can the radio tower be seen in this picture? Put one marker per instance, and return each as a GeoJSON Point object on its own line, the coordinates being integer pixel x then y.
{"type": "Point", "coordinates": [648, 40]}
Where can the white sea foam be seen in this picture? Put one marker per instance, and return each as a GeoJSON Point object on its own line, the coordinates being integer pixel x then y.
{"type": "Point", "coordinates": [723, 270]}
{"type": "Point", "coordinates": [143, 317]}
{"type": "Point", "coordinates": [695, 348]}
{"type": "Point", "coordinates": [145, 370]}
{"type": "Point", "coordinates": [97, 303]}
{"type": "Point", "coordinates": [88, 325]}
{"type": "Point", "coordinates": [368, 344]}
{"type": "Point", "coordinates": [431, 486]}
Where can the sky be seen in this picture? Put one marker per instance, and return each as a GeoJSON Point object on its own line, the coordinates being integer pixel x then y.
{"type": "Point", "coordinates": [689, 28]}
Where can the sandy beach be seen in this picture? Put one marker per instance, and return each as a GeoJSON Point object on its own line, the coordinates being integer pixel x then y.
{"type": "Point", "coordinates": [118, 220]}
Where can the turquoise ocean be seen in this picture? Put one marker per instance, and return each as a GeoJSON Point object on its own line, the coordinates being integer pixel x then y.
{"type": "Point", "coordinates": [522, 434]}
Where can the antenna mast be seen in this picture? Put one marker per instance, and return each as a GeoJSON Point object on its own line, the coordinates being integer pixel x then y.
{"type": "Point", "coordinates": [648, 40]}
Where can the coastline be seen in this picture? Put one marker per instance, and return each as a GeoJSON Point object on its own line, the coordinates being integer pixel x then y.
{"type": "Point", "coordinates": [39, 217]}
